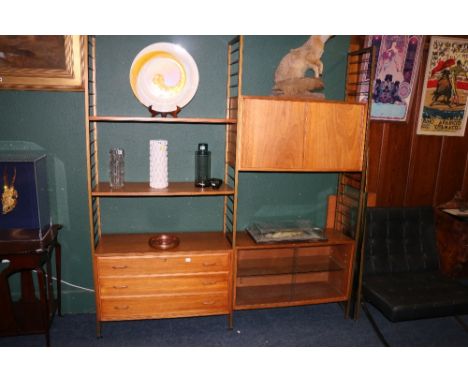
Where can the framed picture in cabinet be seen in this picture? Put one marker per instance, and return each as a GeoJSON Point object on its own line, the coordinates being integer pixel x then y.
{"type": "Point", "coordinates": [397, 63]}
{"type": "Point", "coordinates": [42, 62]}
{"type": "Point", "coordinates": [444, 101]}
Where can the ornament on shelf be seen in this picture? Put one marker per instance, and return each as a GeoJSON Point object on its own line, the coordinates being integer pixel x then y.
{"type": "Point", "coordinates": [164, 77]}
{"type": "Point", "coordinates": [290, 76]}
{"type": "Point", "coordinates": [116, 167]}
{"type": "Point", "coordinates": [158, 164]}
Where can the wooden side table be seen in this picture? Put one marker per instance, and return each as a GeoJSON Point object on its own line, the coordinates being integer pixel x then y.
{"type": "Point", "coordinates": [24, 253]}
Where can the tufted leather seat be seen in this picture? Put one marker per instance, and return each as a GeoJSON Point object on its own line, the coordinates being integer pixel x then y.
{"type": "Point", "coordinates": [401, 269]}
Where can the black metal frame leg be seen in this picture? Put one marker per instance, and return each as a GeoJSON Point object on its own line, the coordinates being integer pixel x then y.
{"type": "Point", "coordinates": [462, 323]}
{"type": "Point", "coordinates": [374, 324]}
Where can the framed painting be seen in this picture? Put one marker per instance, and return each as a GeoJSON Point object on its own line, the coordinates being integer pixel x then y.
{"type": "Point", "coordinates": [42, 62]}
{"type": "Point", "coordinates": [397, 65]}
{"type": "Point", "coordinates": [444, 105]}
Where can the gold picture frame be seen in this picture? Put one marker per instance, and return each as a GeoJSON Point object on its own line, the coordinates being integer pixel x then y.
{"type": "Point", "coordinates": [42, 62]}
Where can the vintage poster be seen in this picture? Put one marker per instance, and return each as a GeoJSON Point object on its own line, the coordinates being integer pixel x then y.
{"type": "Point", "coordinates": [395, 76]}
{"type": "Point", "coordinates": [444, 106]}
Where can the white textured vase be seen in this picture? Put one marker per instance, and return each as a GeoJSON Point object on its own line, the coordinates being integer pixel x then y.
{"type": "Point", "coordinates": [158, 164]}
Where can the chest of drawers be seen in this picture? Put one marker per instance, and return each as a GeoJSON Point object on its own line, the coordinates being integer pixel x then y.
{"type": "Point", "coordinates": [162, 284]}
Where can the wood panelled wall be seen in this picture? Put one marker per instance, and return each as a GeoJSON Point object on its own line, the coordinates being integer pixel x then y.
{"type": "Point", "coordinates": [406, 169]}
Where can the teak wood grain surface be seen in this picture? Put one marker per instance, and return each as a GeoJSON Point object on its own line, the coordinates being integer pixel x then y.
{"type": "Point", "coordinates": [137, 281]}
{"type": "Point", "coordinates": [162, 264]}
{"type": "Point", "coordinates": [164, 306]}
{"type": "Point", "coordinates": [167, 284]}
{"type": "Point", "coordinates": [283, 134]}
{"type": "Point", "coordinates": [135, 243]}
{"type": "Point", "coordinates": [173, 189]}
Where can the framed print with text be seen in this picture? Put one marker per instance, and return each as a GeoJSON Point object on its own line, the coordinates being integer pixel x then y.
{"type": "Point", "coordinates": [397, 66]}
{"type": "Point", "coordinates": [444, 106]}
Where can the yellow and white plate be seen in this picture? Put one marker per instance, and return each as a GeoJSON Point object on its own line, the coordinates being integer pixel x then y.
{"type": "Point", "coordinates": [164, 76]}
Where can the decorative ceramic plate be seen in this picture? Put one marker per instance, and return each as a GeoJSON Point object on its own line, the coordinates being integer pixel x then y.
{"type": "Point", "coordinates": [164, 76]}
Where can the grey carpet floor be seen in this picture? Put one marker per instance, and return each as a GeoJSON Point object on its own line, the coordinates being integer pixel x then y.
{"type": "Point", "coordinates": [307, 326]}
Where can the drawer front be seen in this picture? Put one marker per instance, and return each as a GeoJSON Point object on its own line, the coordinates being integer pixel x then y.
{"type": "Point", "coordinates": [131, 286]}
{"type": "Point", "coordinates": [127, 308]}
{"type": "Point", "coordinates": [161, 264]}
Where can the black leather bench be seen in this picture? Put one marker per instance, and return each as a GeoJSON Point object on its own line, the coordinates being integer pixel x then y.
{"type": "Point", "coordinates": [401, 267]}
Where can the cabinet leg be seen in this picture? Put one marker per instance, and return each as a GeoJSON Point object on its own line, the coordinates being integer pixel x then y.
{"type": "Point", "coordinates": [50, 288]}
{"type": "Point", "coordinates": [44, 302]}
{"type": "Point", "coordinates": [7, 317]}
{"type": "Point", "coordinates": [230, 320]}
{"type": "Point", "coordinates": [98, 329]}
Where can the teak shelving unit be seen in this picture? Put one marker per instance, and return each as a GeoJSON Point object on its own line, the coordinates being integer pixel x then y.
{"type": "Point", "coordinates": [322, 136]}
{"type": "Point", "coordinates": [132, 279]}
{"type": "Point", "coordinates": [219, 272]}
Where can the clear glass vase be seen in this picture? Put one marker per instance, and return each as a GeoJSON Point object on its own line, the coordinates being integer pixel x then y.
{"type": "Point", "coordinates": [116, 167]}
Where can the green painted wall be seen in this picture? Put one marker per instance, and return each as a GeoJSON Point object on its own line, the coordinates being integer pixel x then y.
{"type": "Point", "coordinates": [54, 122]}
{"type": "Point", "coordinates": [287, 195]}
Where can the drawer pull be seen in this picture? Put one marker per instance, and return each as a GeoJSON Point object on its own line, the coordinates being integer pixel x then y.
{"type": "Point", "coordinates": [119, 267]}
{"type": "Point", "coordinates": [124, 307]}
{"type": "Point", "coordinates": [209, 264]}
{"type": "Point", "coordinates": [209, 282]}
{"type": "Point", "coordinates": [209, 302]}
{"type": "Point", "coordinates": [120, 286]}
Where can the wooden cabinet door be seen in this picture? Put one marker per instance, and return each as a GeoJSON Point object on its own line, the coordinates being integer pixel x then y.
{"type": "Point", "coordinates": [334, 136]}
{"type": "Point", "coordinates": [272, 134]}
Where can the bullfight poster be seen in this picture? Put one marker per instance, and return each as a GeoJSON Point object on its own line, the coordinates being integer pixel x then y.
{"type": "Point", "coordinates": [444, 106]}
{"type": "Point", "coordinates": [398, 60]}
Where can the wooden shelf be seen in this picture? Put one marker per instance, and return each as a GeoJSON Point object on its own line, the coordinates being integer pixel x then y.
{"type": "Point", "coordinates": [301, 99]}
{"type": "Point", "coordinates": [269, 296]}
{"type": "Point", "coordinates": [174, 189]}
{"type": "Point", "coordinates": [124, 118]}
{"type": "Point", "coordinates": [245, 241]}
{"type": "Point", "coordinates": [137, 243]}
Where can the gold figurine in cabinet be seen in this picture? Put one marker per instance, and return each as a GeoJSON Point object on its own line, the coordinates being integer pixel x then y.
{"type": "Point", "coordinates": [9, 194]}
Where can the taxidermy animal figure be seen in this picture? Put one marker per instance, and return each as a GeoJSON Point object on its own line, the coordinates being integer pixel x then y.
{"type": "Point", "coordinates": [290, 76]}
